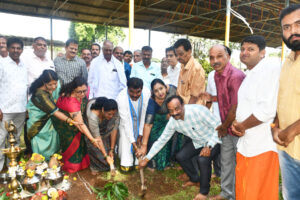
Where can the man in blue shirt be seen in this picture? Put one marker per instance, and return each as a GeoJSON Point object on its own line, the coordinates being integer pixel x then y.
{"type": "Point", "coordinates": [199, 124]}
{"type": "Point", "coordinates": [145, 69]}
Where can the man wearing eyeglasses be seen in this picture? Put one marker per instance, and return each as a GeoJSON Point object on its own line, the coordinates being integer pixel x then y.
{"type": "Point", "coordinates": [106, 76]}
{"type": "Point", "coordinates": [37, 61]}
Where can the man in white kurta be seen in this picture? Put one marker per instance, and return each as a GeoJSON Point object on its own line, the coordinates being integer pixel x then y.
{"type": "Point", "coordinates": [257, 169]}
{"type": "Point", "coordinates": [37, 60]}
{"type": "Point", "coordinates": [13, 92]}
{"type": "Point", "coordinates": [106, 75]}
{"type": "Point", "coordinates": [138, 97]}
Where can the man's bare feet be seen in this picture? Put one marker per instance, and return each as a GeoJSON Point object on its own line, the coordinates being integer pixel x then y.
{"type": "Point", "coordinates": [218, 197]}
{"type": "Point", "coordinates": [190, 183]}
{"type": "Point", "coordinates": [183, 177]}
{"type": "Point", "coordinates": [200, 197]}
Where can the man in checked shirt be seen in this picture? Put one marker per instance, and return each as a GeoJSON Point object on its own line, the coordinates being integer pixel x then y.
{"type": "Point", "coordinates": [199, 124]}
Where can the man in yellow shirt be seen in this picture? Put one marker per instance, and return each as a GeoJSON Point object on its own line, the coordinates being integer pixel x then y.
{"type": "Point", "coordinates": [286, 129]}
{"type": "Point", "coordinates": [191, 82]}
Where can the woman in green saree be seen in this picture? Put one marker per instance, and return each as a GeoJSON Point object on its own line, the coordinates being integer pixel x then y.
{"type": "Point", "coordinates": [72, 102]}
{"type": "Point", "coordinates": [41, 111]}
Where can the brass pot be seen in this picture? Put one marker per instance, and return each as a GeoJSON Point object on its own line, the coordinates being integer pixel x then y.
{"type": "Point", "coordinates": [55, 178]}
{"type": "Point", "coordinates": [32, 185]}
{"type": "Point", "coordinates": [4, 178]}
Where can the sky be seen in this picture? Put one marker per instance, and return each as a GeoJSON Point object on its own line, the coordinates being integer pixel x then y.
{"type": "Point", "coordinates": [27, 26]}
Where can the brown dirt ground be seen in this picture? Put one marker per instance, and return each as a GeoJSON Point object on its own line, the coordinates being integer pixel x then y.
{"type": "Point", "coordinates": [157, 183]}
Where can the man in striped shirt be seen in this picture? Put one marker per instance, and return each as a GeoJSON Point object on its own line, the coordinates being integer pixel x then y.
{"type": "Point", "coordinates": [70, 65]}
{"type": "Point", "coordinates": [199, 124]}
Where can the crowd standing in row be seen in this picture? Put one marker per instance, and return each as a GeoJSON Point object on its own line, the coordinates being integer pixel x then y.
{"type": "Point", "coordinates": [91, 108]}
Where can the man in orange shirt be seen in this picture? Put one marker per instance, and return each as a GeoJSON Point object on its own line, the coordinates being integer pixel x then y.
{"type": "Point", "coordinates": [191, 80]}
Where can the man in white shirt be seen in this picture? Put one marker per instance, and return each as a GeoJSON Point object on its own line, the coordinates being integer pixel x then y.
{"type": "Point", "coordinates": [257, 164]}
{"type": "Point", "coordinates": [13, 92]}
{"type": "Point", "coordinates": [86, 55]}
{"type": "Point", "coordinates": [3, 48]}
{"type": "Point", "coordinates": [164, 72]}
{"type": "Point", "coordinates": [95, 49]}
{"type": "Point", "coordinates": [106, 76]}
{"type": "Point", "coordinates": [37, 61]}
{"type": "Point", "coordinates": [174, 66]}
{"type": "Point", "coordinates": [132, 104]}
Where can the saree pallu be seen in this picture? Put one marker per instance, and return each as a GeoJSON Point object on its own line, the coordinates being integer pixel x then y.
{"type": "Point", "coordinates": [72, 141]}
{"type": "Point", "coordinates": [162, 158]}
{"type": "Point", "coordinates": [40, 130]}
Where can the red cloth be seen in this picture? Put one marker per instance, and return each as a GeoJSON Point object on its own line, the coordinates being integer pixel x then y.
{"type": "Point", "coordinates": [74, 167]}
{"type": "Point", "coordinates": [228, 84]}
{"type": "Point", "coordinates": [69, 104]}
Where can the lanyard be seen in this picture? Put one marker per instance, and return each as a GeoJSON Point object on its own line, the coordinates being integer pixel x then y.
{"type": "Point", "coordinates": [137, 113]}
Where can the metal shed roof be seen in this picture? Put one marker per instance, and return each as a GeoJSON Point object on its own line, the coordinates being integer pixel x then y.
{"type": "Point", "coordinates": [202, 18]}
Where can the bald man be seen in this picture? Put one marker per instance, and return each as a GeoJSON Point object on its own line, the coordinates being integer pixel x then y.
{"type": "Point", "coordinates": [228, 80]}
{"type": "Point", "coordinates": [118, 53]}
{"type": "Point", "coordinates": [106, 76]}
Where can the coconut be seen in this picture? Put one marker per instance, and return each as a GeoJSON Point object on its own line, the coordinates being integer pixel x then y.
{"type": "Point", "coordinates": [37, 158]}
{"type": "Point", "coordinates": [30, 165]}
{"type": "Point", "coordinates": [53, 162]}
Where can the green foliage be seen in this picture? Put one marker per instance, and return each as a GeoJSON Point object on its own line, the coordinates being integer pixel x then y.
{"type": "Point", "coordinates": [3, 195]}
{"type": "Point", "coordinates": [86, 34]}
{"type": "Point", "coordinates": [275, 54]}
{"type": "Point", "coordinates": [206, 66]}
{"type": "Point", "coordinates": [187, 193]}
{"type": "Point", "coordinates": [112, 191]}
{"type": "Point", "coordinates": [155, 60]}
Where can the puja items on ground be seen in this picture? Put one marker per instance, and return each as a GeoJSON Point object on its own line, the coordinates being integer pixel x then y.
{"type": "Point", "coordinates": [50, 194]}
{"type": "Point", "coordinates": [31, 182]}
{"type": "Point", "coordinates": [37, 176]}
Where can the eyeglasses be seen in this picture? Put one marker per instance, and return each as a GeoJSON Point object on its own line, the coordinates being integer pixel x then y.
{"type": "Point", "coordinates": [81, 91]}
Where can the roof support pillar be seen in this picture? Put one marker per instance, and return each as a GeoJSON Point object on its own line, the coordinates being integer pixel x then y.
{"type": "Point", "coordinates": [51, 37]}
{"type": "Point", "coordinates": [131, 21]}
{"type": "Point", "coordinates": [149, 38]}
{"type": "Point", "coordinates": [287, 3]}
{"type": "Point", "coordinates": [227, 29]}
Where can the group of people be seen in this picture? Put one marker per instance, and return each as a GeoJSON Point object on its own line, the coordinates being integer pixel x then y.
{"type": "Point", "coordinates": [104, 104]}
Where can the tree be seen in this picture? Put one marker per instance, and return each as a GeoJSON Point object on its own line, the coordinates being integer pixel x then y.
{"type": "Point", "coordinates": [86, 34]}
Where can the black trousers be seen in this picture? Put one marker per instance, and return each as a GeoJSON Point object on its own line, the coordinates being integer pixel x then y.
{"type": "Point", "coordinates": [26, 140]}
{"type": "Point", "coordinates": [184, 158]}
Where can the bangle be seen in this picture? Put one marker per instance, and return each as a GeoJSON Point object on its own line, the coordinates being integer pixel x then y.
{"type": "Point", "coordinates": [67, 120]}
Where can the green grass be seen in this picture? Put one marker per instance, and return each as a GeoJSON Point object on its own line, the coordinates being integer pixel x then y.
{"type": "Point", "coordinates": [182, 194]}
